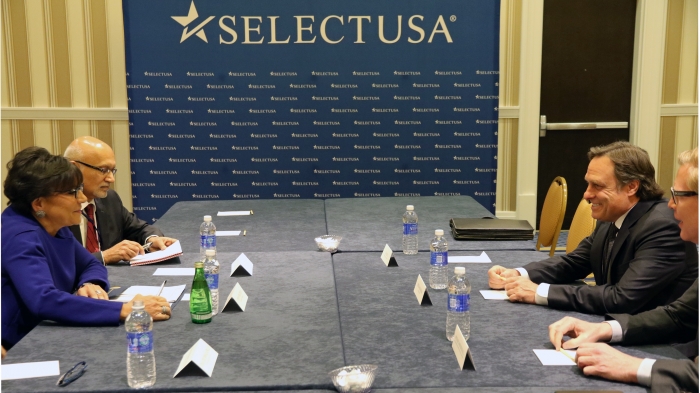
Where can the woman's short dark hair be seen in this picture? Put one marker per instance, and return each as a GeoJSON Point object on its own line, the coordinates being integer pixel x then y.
{"type": "Point", "coordinates": [631, 163]}
{"type": "Point", "coordinates": [34, 173]}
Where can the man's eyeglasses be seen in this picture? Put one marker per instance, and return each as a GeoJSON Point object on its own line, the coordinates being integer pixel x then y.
{"type": "Point", "coordinates": [74, 191]}
{"type": "Point", "coordinates": [675, 194]}
{"type": "Point", "coordinates": [71, 375]}
{"type": "Point", "coordinates": [103, 170]}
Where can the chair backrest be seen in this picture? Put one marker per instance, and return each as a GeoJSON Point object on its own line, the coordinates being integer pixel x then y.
{"type": "Point", "coordinates": [582, 225]}
{"type": "Point", "coordinates": [552, 215]}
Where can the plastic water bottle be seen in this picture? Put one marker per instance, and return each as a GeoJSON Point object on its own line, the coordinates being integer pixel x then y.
{"type": "Point", "coordinates": [438, 261]}
{"type": "Point", "coordinates": [200, 298]}
{"type": "Point", "coordinates": [458, 304]}
{"type": "Point", "coordinates": [410, 231]}
{"type": "Point", "coordinates": [207, 236]}
{"type": "Point", "coordinates": [140, 358]}
{"type": "Point", "coordinates": [211, 274]}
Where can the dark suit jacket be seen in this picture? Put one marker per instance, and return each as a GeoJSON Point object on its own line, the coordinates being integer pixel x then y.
{"type": "Point", "coordinates": [651, 266]}
{"type": "Point", "coordinates": [115, 223]}
{"type": "Point", "coordinates": [673, 323]}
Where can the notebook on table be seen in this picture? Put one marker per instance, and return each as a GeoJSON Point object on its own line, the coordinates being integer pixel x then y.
{"type": "Point", "coordinates": [172, 251]}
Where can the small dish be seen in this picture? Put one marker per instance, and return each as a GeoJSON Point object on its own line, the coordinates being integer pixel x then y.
{"type": "Point", "coordinates": [328, 243]}
{"type": "Point", "coordinates": [354, 379]}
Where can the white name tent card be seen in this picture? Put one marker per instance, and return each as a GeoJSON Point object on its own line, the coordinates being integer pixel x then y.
{"type": "Point", "coordinates": [461, 349]}
{"type": "Point", "coordinates": [228, 233]}
{"type": "Point", "coordinates": [490, 294]}
{"type": "Point", "coordinates": [483, 258]}
{"type": "Point", "coordinates": [552, 357]}
{"type": "Point", "coordinates": [236, 300]}
{"type": "Point", "coordinates": [421, 292]}
{"type": "Point", "coordinates": [174, 271]}
{"type": "Point", "coordinates": [388, 257]}
{"type": "Point", "coordinates": [235, 213]}
{"type": "Point", "coordinates": [242, 266]}
{"type": "Point", "coordinates": [201, 357]}
{"type": "Point", "coordinates": [30, 370]}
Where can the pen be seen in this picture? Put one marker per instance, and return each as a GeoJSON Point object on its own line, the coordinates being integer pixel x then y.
{"type": "Point", "coordinates": [161, 288]}
{"type": "Point", "coordinates": [502, 278]}
{"type": "Point", "coordinates": [147, 246]}
{"type": "Point", "coordinates": [567, 354]}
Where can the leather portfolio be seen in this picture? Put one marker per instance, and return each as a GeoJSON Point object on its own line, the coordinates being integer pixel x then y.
{"type": "Point", "coordinates": [491, 229]}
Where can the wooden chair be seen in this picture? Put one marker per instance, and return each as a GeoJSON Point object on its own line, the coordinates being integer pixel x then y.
{"type": "Point", "coordinates": [552, 215]}
{"type": "Point", "coordinates": [582, 225]}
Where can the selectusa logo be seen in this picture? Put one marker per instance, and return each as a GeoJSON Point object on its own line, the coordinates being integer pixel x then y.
{"type": "Point", "coordinates": [332, 29]}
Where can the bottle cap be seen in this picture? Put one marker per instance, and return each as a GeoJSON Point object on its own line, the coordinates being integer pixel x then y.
{"type": "Point", "coordinates": [199, 264]}
{"type": "Point", "coordinates": [207, 218]}
{"type": "Point", "coordinates": [210, 253]}
{"type": "Point", "coordinates": [409, 208]}
{"type": "Point", "coordinates": [138, 305]}
{"type": "Point", "coordinates": [460, 270]}
{"type": "Point", "coordinates": [439, 232]}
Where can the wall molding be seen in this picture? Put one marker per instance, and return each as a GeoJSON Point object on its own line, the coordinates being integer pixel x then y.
{"type": "Point", "coordinates": [679, 110]}
{"type": "Point", "coordinates": [508, 112]}
{"type": "Point", "coordinates": [35, 113]}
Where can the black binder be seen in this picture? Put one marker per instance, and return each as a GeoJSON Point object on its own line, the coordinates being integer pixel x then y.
{"type": "Point", "coordinates": [491, 229]}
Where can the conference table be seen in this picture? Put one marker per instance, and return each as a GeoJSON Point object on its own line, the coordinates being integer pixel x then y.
{"type": "Point", "coordinates": [309, 312]}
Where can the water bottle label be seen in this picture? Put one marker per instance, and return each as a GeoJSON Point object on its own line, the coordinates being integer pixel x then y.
{"type": "Point", "coordinates": [212, 280]}
{"type": "Point", "coordinates": [207, 241]}
{"type": "Point", "coordinates": [410, 228]}
{"type": "Point", "coordinates": [438, 258]}
{"type": "Point", "coordinates": [458, 303]}
{"type": "Point", "coordinates": [140, 342]}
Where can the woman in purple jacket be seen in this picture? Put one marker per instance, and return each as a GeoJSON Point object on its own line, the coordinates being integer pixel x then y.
{"type": "Point", "coordinates": [46, 273]}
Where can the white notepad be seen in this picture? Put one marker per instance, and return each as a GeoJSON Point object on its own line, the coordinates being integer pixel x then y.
{"type": "Point", "coordinates": [30, 370]}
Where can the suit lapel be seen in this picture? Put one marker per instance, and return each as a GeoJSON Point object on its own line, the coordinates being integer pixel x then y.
{"type": "Point", "coordinates": [598, 249]}
{"type": "Point", "coordinates": [632, 217]}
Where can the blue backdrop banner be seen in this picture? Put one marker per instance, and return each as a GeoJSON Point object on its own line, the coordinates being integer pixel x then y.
{"type": "Point", "coordinates": [311, 99]}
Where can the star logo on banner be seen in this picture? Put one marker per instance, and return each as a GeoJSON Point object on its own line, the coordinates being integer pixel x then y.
{"type": "Point", "coordinates": [186, 20]}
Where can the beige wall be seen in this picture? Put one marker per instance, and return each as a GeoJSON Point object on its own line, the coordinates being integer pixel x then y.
{"type": "Point", "coordinates": [673, 105]}
{"type": "Point", "coordinates": [63, 76]}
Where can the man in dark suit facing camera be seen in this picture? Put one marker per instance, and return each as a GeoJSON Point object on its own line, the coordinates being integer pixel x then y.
{"type": "Point", "coordinates": [638, 259]}
{"type": "Point", "coordinates": [676, 322]}
{"type": "Point", "coordinates": [109, 231]}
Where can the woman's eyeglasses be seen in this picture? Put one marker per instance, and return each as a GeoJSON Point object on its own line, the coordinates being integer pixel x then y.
{"type": "Point", "coordinates": [74, 191]}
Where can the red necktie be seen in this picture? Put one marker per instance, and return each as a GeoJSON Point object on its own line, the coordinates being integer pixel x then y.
{"type": "Point", "coordinates": [91, 244]}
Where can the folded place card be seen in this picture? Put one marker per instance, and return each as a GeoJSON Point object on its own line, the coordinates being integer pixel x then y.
{"type": "Point", "coordinates": [236, 300]}
{"type": "Point", "coordinates": [29, 370]}
{"type": "Point", "coordinates": [421, 292]}
{"type": "Point", "coordinates": [235, 213]}
{"type": "Point", "coordinates": [388, 257]}
{"type": "Point", "coordinates": [490, 294]}
{"type": "Point", "coordinates": [483, 258]}
{"type": "Point", "coordinates": [227, 233]}
{"type": "Point", "coordinates": [200, 358]}
{"type": "Point", "coordinates": [242, 266]}
{"type": "Point", "coordinates": [552, 357]}
{"type": "Point", "coordinates": [461, 349]}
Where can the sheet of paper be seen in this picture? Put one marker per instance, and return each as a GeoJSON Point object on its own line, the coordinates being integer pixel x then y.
{"type": "Point", "coordinates": [174, 271]}
{"type": "Point", "coordinates": [235, 213]}
{"type": "Point", "coordinates": [551, 357]}
{"type": "Point", "coordinates": [483, 258]}
{"type": "Point", "coordinates": [171, 251]}
{"type": "Point", "coordinates": [169, 293]}
{"type": "Point", "coordinates": [228, 233]}
{"type": "Point", "coordinates": [386, 254]}
{"type": "Point", "coordinates": [201, 354]}
{"type": "Point", "coordinates": [30, 370]}
{"type": "Point", "coordinates": [490, 294]}
{"type": "Point", "coordinates": [185, 297]}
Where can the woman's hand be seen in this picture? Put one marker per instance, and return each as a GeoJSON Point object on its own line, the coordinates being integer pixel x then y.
{"type": "Point", "coordinates": [92, 291]}
{"type": "Point", "coordinates": [157, 306]}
